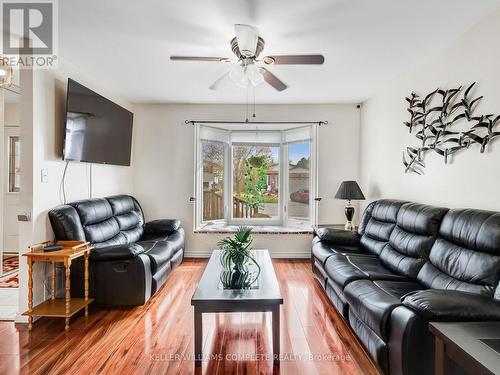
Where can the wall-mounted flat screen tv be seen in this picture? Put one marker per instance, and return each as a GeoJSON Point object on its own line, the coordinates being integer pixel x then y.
{"type": "Point", "coordinates": [97, 130]}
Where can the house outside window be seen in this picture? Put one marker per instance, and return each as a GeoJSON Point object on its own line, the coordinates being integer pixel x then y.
{"type": "Point", "coordinates": [258, 176]}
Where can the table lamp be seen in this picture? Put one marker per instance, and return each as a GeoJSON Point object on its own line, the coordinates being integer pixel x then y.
{"type": "Point", "coordinates": [349, 190]}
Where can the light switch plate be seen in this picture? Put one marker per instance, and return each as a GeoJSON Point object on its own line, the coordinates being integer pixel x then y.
{"type": "Point", "coordinates": [45, 176]}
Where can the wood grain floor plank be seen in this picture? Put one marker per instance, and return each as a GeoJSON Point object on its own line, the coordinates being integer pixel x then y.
{"type": "Point", "coordinates": [158, 338]}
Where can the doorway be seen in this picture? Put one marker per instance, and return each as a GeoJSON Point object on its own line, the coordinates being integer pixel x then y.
{"type": "Point", "coordinates": [10, 192]}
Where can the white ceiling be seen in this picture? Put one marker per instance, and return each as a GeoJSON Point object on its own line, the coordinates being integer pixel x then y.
{"type": "Point", "coordinates": [126, 44]}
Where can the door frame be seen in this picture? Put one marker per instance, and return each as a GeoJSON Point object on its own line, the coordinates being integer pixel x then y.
{"type": "Point", "coordinates": [3, 181]}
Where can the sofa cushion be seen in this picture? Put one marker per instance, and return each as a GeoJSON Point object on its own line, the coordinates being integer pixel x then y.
{"type": "Point", "coordinates": [338, 236]}
{"type": "Point", "coordinates": [466, 256]}
{"type": "Point", "coordinates": [411, 240]}
{"type": "Point", "coordinates": [377, 228]}
{"type": "Point", "coordinates": [452, 305]}
{"type": "Point", "coordinates": [341, 272]}
{"type": "Point", "coordinates": [372, 267]}
{"type": "Point", "coordinates": [66, 223]}
{"type": "Point", "coordinates": [473, 229]}
{"type": "Point", "coordinates": [162, 226]}
{"type": "Point", "coordinates": [365, 218]}
{"type": "Point", "coordinates": [456, 268]}
{"type": "Point", "coordinates": [342, 269]}
{"type": "Point", "coordinates": [322, 250]}
{"type": "Point", "coordinates": [161, 252]}
{"type": "Point", "coordinates": [371, 304]}
{"type": "Point", "coordinates": [133, 235]}
{"type": "Point", "coordinates": [117, 252]}
{"type": "Point", "coordinates": [128, 213]}
{"type": "Point", "coordinates": [400, 288]}
{"type": "Point", "coordinates": [129, 220]}
{"type": "Point", "coordinates": [420, 218]}
{"type": "Point", "coordinates": [93, 211]}
{"type": "Point", "coordinates": [119, 239]}
{"type": "Point", "coordinates": [154, 237]}
{"type": "Point", "coordinates": [123, 204]}
{"type": "Point", "coordinates": [101, 231]}
{"type": "Point", "coordinates": [386, 210]}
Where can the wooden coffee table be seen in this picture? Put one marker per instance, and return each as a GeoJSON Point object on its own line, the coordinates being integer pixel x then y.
{"type": "Point", "coordinates": [211, 297]}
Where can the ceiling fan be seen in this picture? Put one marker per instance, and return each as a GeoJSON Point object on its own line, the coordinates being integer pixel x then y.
{"type": "Point", "coordinates": [247, 67]}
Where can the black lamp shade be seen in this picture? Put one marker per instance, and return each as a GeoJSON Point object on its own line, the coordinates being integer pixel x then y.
{"type": "Point", "coordinates": [349, 190]}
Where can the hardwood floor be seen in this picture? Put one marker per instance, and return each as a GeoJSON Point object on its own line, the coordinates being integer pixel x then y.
{"type": "Point", "coordinates": [158, 338]}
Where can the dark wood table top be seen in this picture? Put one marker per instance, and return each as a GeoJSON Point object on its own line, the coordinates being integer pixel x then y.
{"type": "Point", "coordinates": [467, 336]}
{"type": "Point", "coordinates": [210, 288]}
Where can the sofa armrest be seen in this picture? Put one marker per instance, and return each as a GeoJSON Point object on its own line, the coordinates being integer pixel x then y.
{"type": "Point", "coordinates": [162, 226]}
{"type": "Point", "coordinates": [115, 252]}
{"type": "Point", "coordinates": [337, 236]}
{"type": "Point", "coordinates": [452, 305]}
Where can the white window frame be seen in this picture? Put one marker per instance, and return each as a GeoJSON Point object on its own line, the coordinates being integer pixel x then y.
{"type": "Point", "coordinates": [248, 221]}
{"type": "Point", "coordinates": [283, 219]}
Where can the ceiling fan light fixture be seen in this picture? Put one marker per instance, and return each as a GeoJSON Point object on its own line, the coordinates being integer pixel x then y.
{"type": "Point", "coordinates": [238, 75]}
{"type": "Point", "coordinates": [254, 76]}
{"type": "Point", "coordinates": [247, 37]}
{"type": "Point", "coordinates": [268, 60]}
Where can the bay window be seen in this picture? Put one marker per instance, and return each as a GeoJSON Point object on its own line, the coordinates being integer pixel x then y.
{"type": "Point", "coordinates": [257, 176]}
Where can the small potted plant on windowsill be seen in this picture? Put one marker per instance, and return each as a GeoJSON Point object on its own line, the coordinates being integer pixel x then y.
{"type": "Point", "coordinates": [236, 257]}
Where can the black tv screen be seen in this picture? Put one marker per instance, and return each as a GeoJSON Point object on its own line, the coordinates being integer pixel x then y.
{"type": "Point", "coordinates": [97, 130]}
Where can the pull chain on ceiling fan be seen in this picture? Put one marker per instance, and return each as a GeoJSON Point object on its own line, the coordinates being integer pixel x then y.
{"type": "Point", "coordinates": [247, 68]}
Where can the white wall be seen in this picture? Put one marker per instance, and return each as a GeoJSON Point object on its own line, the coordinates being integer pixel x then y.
{"type": "Point", "coordinates": [472, 179]}
{"type": "Point", "coordinates": [43, 95]}
{"type": "Point", "coordinates": [164, 157]}
{"type": "Point", "coordinates": [11, 114]}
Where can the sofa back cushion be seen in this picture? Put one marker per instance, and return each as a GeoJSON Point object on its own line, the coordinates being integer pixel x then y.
{"type": "Point", "coordinates": [377, 224]}
{"type": "Point", "coordinates": [103, 222]}
{"type": "Point", "coordinates": [466, 254]}
{"type": "Point", "coordinates": [412, 238]}
{"type": "Point", "coordinates": [128, 214]}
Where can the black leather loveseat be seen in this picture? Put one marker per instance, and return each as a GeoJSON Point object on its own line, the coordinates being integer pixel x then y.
{"type": "Point", "coordinates": [131, 259]}
{"type": "Point", "coordinates": [408, 265]}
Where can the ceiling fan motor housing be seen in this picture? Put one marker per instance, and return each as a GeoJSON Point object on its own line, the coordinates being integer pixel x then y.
{"type": "Point", "coordinates": [239, 55]}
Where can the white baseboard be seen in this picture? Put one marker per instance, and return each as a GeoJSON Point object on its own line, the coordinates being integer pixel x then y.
{"type": "Point", "coordinates": [274, 254]}
{"type": "Point", "coordinates": [21, 319]}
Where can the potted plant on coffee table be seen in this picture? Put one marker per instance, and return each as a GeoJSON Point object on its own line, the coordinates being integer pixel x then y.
{"type": "Point", "coordinates": [236, 258]}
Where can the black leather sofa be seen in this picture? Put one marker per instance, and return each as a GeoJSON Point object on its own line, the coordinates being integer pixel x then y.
{"type": "Point", "coordinates": [410, 264]}
{"type": "Point", "coordinates": [131, 259]}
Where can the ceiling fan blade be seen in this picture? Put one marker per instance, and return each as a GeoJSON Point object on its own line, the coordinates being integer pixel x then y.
{"type": "Point", "coordinates": [200, 58]}
{"type": "Point", "coordinates": [294, 59]}
{"type": "Point", "coordinates": [220, 81]}
{"type": "Point", "coordinates": [272, 79]}
{"type": "Point", "coordinates": [247, 36]}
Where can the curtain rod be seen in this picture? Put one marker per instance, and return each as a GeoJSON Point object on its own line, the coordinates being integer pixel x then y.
{"type": "Point", "coordinates": [192, 122]}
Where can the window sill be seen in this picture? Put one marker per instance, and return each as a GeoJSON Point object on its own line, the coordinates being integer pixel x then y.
{"type": "Point", "coordinates": [222, 228]}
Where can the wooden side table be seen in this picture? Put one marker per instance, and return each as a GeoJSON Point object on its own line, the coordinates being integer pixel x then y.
{"type": "Point", "coordinates": [474, 346]}
{"type": "Point", "coordinates": [58, 307]}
